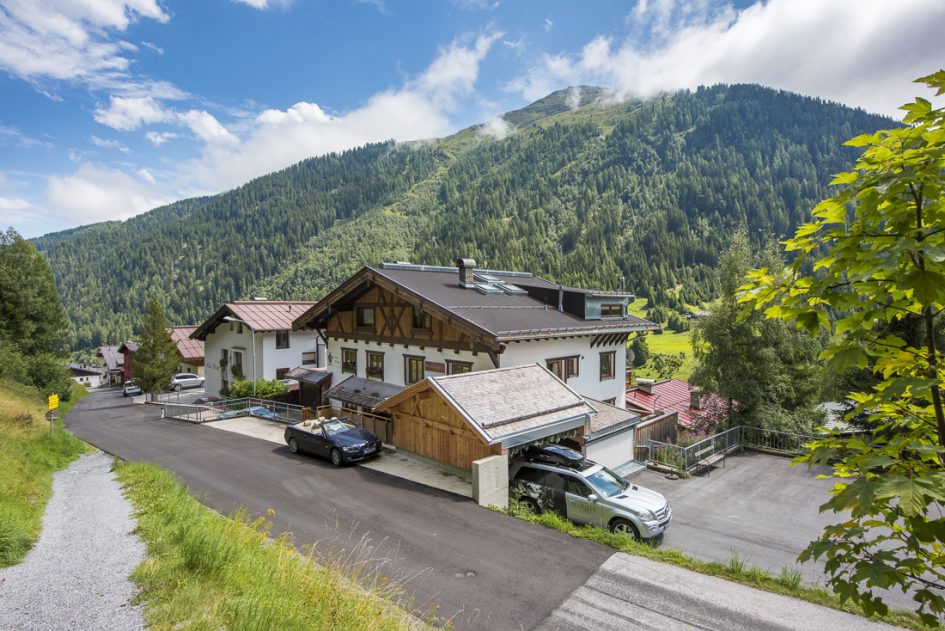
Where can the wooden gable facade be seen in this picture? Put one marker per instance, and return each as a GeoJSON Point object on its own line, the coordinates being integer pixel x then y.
{"type": "Point", "coordinates": [426, 424]}
{"type": "Point", "coordinates": [388, 315]}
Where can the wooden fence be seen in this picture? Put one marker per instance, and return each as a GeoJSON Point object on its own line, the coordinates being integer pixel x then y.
{"type": "Point", "coordinates": [661, 428]}
{"type": "Point", "coordinates": [380, 425]}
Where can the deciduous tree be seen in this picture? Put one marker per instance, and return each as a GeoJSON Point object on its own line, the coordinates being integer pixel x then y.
{"type": "Point", "coordinates": [874, 255]}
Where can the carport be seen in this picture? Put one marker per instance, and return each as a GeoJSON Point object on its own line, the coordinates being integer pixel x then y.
{"type": "Point", "coordinates": [458, 419]}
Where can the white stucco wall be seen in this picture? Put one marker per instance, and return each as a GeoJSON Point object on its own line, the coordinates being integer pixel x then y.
{"type": "Point", "coordinates": [268, 357]}
{"type": "Point", "coordinates": [394, 359]}
{"type": "Point", "coordinates": [185, 367]}
{"type": "Point", "coordinates": [89, 381]}
{"type": "Point", "coordinates": [587, 382]}
{"type": "Point", "coordinates": [612, 451]}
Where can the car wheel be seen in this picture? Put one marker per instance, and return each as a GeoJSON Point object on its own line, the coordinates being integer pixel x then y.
{"type": "Point", "coordinates": [531, 506]}
{"type": "Point", "coordinates": [626, 527]}
{"type": "Point", "coordinates": [293, 446]}
{"type": "Point", "coordinates": [336, 458]}
{"type": "Point", "coordinates": [176, 387]}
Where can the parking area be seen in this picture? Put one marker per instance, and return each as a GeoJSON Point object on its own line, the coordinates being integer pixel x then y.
{"type": "Point", "coordinates": [758, 506]}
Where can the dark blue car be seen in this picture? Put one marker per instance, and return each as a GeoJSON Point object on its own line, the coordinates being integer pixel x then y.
{"type": "Point", "coordinates": [337, 439]}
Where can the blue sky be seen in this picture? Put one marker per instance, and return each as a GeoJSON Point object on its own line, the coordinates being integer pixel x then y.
{"type": "Point", "coordinates": [113, 107]}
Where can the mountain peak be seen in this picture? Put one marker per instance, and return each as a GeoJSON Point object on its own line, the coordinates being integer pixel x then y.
{"type": "Point", "coordinates": [555, 103]}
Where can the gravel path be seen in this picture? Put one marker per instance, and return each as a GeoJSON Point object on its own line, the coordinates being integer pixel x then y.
{"type": "Point", "coordinates": [76, 577]}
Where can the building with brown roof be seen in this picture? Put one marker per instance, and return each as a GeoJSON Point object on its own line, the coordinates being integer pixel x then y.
{"type": "Point", "coordinates": [399, 323]}
{"type": "Point", "coordinates": [127, 350]}
{"type": "Point", "coordinates": [253, 339]}
{"type": "Point", "coordinates": [112, 362]}
{"type": "Point", "coordinates": [190, 350]}
{"type": "Point", "coordinates": [694, 409]}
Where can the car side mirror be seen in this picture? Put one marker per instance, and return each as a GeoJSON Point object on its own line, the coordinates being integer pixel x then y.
{"type": "Point", "coordinates": [592, 497]}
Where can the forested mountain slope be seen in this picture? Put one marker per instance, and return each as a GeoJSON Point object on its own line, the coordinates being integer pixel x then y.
{"type": "Point", "coordinates": [648, 191]}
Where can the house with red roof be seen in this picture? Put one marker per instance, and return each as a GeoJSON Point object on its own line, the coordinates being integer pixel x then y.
{"type": "Point", "coordinates": [191, 351]}
{"type": "Point", "coordinates": [693, 408]}
{"type": "Point", "coordinates": [253, 339]}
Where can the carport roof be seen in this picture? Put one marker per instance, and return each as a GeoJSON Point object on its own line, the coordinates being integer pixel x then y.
{"type": "Point", "coordinates": [309, 375]}
{"type": "Point", "coordinates": [610, 419]}
{"type": "Point", "coordinates": [509, 406]}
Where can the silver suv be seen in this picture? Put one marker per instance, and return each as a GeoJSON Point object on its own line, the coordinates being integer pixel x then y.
{"type": "Point", "coordinates": [588, 493]}
{"type": "Point", "coordinates": [186, 380]}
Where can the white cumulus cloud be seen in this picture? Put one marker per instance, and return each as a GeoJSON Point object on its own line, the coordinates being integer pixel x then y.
{"type": "Point", "coordinates": [130, 113]}
{"type": "Point", "coordinates": [859, 52]}
{"type": "Point", "coordinates": [99, 193]}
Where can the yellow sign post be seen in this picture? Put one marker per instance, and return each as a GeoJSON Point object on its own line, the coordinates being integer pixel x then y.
{"type": "Point", "coordinates": [53, 406]}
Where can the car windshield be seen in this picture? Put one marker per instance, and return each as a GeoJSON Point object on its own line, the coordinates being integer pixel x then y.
{"type": "Point", "coordinates": [606, 482]}
{"type": "Point", "coordinates": [336, 427]}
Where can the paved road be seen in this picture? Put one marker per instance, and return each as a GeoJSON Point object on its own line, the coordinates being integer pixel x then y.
{"type": "Point", "coordinates": [483, 569]}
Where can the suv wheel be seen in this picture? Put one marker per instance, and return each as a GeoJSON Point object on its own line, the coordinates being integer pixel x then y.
{"type": "Point", "coordinates": [626, 527]}
{"type": "Point", "coordinates": [531, 505]}
{"type": "Point", "coordinates": [176, 387]}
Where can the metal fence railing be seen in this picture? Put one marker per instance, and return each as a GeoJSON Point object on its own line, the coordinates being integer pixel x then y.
{"type": "Point", "coordinates": [233, 408]}
{"type": "Point", "coordinates": [776, 441]}
{"type": "Point", "coordinates": [705, 451]}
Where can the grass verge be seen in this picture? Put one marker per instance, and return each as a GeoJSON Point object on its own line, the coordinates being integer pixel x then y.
{"type": "Point", "coordinates": [736, 569]}
{"type": "Point", "coordinates": [29, 455]}
{"type": "Point", "coordinates": [207, 571]}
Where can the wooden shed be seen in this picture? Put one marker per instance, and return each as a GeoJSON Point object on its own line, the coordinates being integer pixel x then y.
{"type": "Point", "coordinates": [457, 419]}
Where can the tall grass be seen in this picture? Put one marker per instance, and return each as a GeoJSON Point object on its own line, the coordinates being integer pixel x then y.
{"type": "Point", "coordinates": [29, 456]}
{"type": "Point", "coordinates": [207, 571]}
{"type": "Point", "coordinates": [735, 569]}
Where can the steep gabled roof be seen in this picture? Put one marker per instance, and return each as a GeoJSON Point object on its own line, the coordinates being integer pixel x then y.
{"type": "Point", "coordinates": [508, 406]}
{"type": "Point", "coordinates": [493, 318]}
{"type": "Point", "coordinates": [262, 316]}
{"type": "Point", "coordinates": [190, 350]}
{"type": "Point", "coordinates": [113, 359]}
{"type": "Point", "coordinates": [128, 347]}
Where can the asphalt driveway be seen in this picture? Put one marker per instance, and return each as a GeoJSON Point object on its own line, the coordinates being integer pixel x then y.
{"type": "Point", "coordinates": [757, 506]}
{"type": "Point", "coordinates": [477, 567]}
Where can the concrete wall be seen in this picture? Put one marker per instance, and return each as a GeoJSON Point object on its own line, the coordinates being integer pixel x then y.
{"type": "Point", "coordinates": [268, 357]}
{"type": "Point", "coordinates": [394, 359]}
{"type": "Point", "coordinates": [490, 477]}
{"type": "Point", "coordinates": [588, 382]}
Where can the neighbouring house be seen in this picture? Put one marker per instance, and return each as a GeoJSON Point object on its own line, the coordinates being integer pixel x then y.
{"type": "Point", "coordinates": [112, 364]}
{"type": "Point", "coordinates": [191, 350]}
{"type": "Point", "coordinates": [457, 419]}
{"type": "Point", "coordinates": [239, 332]}
{"type": "Point", "coordinates": [128, 350]}
{"type": "Point", "coordinates": [86, 374]}
{"type": "Point", "coordinates": [693, 408]}
{"type": "Point", "coordinates": [400, 323]}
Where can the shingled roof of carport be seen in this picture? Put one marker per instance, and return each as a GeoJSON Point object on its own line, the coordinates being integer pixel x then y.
{"type": "Point", "coordinates": [507, 404]}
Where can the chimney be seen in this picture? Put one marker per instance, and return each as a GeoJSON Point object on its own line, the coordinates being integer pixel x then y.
{"type": "Point", "coordinates": [645, 385]}
{"type": "Point", "coordinates": [560, 297]}
{"type": "Point", "coordinates": [467, 267]}
{"type": "Point", "coordinates": [695, 398]}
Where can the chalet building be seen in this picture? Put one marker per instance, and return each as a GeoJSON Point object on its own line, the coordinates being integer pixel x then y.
{"type": "Point", "coordinates": [190, 350]}
{"type": "Point", "coordinates": [397, 324]}
{"type": "Point", "coordinates": [127, 350]}
{"type": "Point", "coordinates": [239, 332]}
{"type": "Point", "coordinates": [87, 375]}
{"type": "Point", "coordinates": [112, 364]}
{"type": "Point", "coordinates": [692, 407]}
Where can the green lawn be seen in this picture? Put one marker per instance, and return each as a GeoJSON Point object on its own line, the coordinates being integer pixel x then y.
{"type": "Point", "coordinates": [208, 571]}
{"type": "Point", "coordinates": [666, 343]}
{"type": "Point", "coordinates": [29, 455]}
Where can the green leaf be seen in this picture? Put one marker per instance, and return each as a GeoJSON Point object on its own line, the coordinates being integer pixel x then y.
{"type": "Point", "coordinates": [910, 493]}
{"type": "Point", "coordinates": [928, 287]}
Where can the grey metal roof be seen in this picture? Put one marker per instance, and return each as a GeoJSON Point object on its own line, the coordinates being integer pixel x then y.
{"type": "Point", "coordinates": [610, 419]}
{"type": "Point", "coordinates": [502, 315]}
{"type": "Point", "coordinates": [113, 359]}
{"type": "Point", "coordinates": [361, 391]}
{"type": "Point", "coordinates": [309, 375]}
